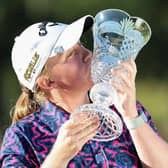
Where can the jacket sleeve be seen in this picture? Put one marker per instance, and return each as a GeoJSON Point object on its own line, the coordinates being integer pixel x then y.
{"type": "Point", "coordinates": [16, 152]}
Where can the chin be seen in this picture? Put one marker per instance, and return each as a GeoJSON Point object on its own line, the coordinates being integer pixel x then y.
{"type": "Point", "coordinates": [91, 84]}
{"type": "Point", "coordinates": [88, 85]}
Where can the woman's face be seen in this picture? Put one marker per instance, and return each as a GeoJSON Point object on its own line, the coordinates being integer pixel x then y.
{"type": "Point", "coordinates": [72, 69]}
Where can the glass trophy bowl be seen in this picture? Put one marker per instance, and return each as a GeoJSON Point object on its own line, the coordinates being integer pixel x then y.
{"type": "Point", "coordinates": [117, 36]}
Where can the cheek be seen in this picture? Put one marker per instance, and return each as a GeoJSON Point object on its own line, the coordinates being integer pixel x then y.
{"type": "Point", "coordinates": [74, 71]}
{"type": "Point", "coordinates": [65, 73]}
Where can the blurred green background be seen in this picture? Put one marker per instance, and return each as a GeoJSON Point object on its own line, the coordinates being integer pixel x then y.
{"type": "Point", "coordinates": [152, 61]}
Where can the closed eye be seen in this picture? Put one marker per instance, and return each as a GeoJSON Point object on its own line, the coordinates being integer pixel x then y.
{"type": "Point", "coordinates": [70, 55]}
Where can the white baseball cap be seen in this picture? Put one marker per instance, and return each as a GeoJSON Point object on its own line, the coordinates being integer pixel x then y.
{"type": "Point", "coordinates": [40, 41]}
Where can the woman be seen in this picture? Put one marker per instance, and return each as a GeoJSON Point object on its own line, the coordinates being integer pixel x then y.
{"type": "Point", "coordinates": [54, 71]}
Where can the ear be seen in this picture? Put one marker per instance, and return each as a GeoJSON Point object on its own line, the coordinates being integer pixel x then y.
{"type": "Point", "coordinates": [45, 83]}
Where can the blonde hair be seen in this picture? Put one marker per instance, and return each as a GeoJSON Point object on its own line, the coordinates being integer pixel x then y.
{"type": "Point", "coordinates": [28, 102]}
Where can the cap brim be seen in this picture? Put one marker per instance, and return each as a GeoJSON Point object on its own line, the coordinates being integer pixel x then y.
{"type": "Point", "coordinates": [72, 33]}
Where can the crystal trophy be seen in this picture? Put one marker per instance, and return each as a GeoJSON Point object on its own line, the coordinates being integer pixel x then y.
{"type": "Point", "coordinates": [117, 36]}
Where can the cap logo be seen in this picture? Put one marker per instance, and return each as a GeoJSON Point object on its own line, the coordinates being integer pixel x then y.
{"type": "Point", "coordinates": [30, 68]}
{"type": "Point", "coordinates": [43, 31]}
{"type": "Point", "coordinates": [42, 26]}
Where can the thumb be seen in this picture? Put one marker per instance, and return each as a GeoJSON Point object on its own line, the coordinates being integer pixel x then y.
{"type": "Point", "coordinates": [119, 101]}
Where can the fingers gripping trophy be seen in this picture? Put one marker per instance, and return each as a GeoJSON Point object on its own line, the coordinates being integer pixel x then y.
{"type": "Point", "coordinates": [117, 36]}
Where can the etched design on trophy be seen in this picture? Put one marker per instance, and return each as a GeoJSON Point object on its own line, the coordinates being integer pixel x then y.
{"type": "Point", "coordinates": [117, 36]}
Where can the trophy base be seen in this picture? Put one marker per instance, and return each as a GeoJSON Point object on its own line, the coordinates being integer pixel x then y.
{"type": "Point", "coordinates": [110, 126]}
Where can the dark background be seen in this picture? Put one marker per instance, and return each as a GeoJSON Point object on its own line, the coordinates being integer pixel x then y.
{"type": "Point", "coordinates": [152, 61]}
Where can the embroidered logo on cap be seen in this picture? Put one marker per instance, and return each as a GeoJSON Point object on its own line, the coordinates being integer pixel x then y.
{"type": "Point", "coordinates": [30, 69]}
{"type": "Point", "coordinates": [42, 27]}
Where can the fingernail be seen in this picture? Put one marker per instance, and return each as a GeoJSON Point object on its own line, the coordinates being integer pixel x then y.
{"type": "Point", "coordinates": [96, 117]}
{"type": "Point", "coordinates": [112, 70]}
{"type": "Point", "coordinates": [97, 124]}
{"type": "Point", "coordinates": [119, 62]}
{"type": "Point", "coordinates": [110, 81]}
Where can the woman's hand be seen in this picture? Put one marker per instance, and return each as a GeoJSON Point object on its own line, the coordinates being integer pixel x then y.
{"type": "Point", "coordinates": [126, 91]}
{"type": "Point", "coordinates": [74, 134]}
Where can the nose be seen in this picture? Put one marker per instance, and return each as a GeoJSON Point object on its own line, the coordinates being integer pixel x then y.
{"type": "Point", "coordinates": [87, 56]}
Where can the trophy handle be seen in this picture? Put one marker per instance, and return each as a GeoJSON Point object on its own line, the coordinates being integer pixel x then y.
{"type": "Point", "coordinates": [142, 26]}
